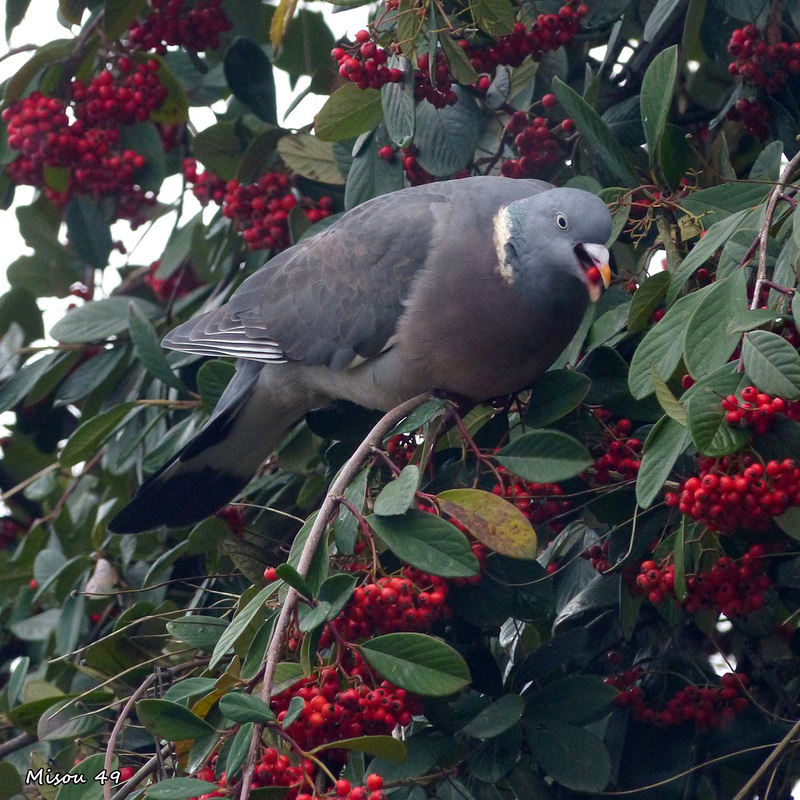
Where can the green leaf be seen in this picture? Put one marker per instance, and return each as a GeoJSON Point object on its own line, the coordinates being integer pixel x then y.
{"type": "Point", "coordinates": [175, 108]}
{"type": "Point", "coordinates": [669, 403]}
{"type": "Point", "coordinates": [296, 706]}
{"type": "Point", "coordinates": [336, 591]}
{"type": "Point", "coordinates": [310, 157]}
{"type": "Point", "coordinates": [370, 175]}
{"type": "Point", "coordinates": [662, 346]}
{"type": "Point", "coordinates": [646, 300]}
{"type": "Point", "coordinates": [789, 523]}
{"type": "Point", "coordinates": [148, 347]}
{"type": "Point", "coordinates": [495, 17]}
{"type": "Point", "coordinates": [725, 199]}
{"type": "Point", "coordinates": [447, 137]}
{"type": "Point", "coordinates": [398, 495]}
{"type": "Point", "coordinates": [380, 746]}
{"type": "Point", "coordinates": [220, 148]}
{"type": "Point", "coordinates": [88, 232]}
{"type": "Point", "coordinates": [119, 14]}
{"type": "Point", "coordinates": [212, 378]}
{"type": "Point", "coordinates": [554, 395]}
{"type": "Point", "coordinates": [708, 343]}
{"type": "Point", "coordinates": [198, 630]}
{"type": "Point", "coordinates": [348, 112]}
{"type": "Point", "coordinates": [312, 617]}
{"type": "Point", "coordinates": [245, 708]}
{"type": "Point", "coordinates": [89, 376]}
{"type": "Point", "coordinates": [418, 663]}
{"type": "Point", "coordinates": [99, 319]}
{"type": "Point", "coordinates": [16, 387]}
{"type": "Point", "coordinates": [398, 103]}
{"type": "Point", "coordinates": [258, 649]}
{"type": "Point", "coordinates": [179, 246]}
{"type": "Point", "coordinates": [15, 13]}
{"type": "Point", "coordinates": [571, 756]}
{"type": "Point", "coordinates": [179, 789]}
{"type": "Point", "coordinates": [772, 364]}
{"type": "Point", "coordinates": [574, 699]}
{"type": "Point", "coordinates": [596, 133]}
{"type": "Point", "coordinates": [240, 623]}
{"type": "Point", "coordinates": [88, 438]}
{"type": "Point", "coordinates": [460, 66]}
{"type": "Point", "coordinates": [496, 718]}
{"type": "Point", "coordinates": [89, 789]}
{"type": "Point", "coordinates": [767, 166]}
{"type": "Point", "coordinates": [715, 237]}
{"type": "Point", "coordinates": [545, 457]}
{"type": "Point", "coordinates": [752, 319]}
{"type": "Point", "coordinates": [667, 440]}
{"type": "Point", "coordinates": [288, 574]}
{"type": "Point", "coordinates": [237, 755]}
{"type": "Point", "coordinates": [50, 53]}
{"type": "Point", "coordinates": [710, 431]}
{"type": "Point", "coordinates": [188, 688]}
{"type": "Point", "coordinates": [655, 97]}
{"type": "Point", "coordinates": [171, 721]}
{"type": "Point", "coordinates": [427, 542]}
{"type": "Point", "coordinates": [249, 74]}
{"type": "Point", "coordinates": [16, 680]}
{"type": "Point", "coordinates": [492, 520]}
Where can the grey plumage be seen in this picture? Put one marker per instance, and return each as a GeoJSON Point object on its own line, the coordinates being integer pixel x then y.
{"type": "Point", "coordinates": [467, 286]}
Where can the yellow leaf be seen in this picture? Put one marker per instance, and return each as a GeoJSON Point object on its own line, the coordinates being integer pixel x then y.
{"type": "Point", "coordinates": [493, 521]}
{"type": "Point", "coordinates": [280, 21]}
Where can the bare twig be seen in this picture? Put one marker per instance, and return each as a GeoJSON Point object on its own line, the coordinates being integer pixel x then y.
{"type": "Point", "coordinates": [112, 739]}
{"type": "Point", "coordinates": [14, 51]}
{"type": "Point", "coordinates": [329, 506]}
{"type": "Point", "coordinates": [142, 773]}
{"type": "Point", "coordinates": [763, 234]}
{"type": "Point", "coordinates": [17, 743]}
{"type": "Point", "coordinates": [744, 792]}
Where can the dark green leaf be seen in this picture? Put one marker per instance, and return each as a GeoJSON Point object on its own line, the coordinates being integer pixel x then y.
{"type": "Point", "coordinates": [554, 395]}
{"type": "Point", "coordinates": [15, 13]}
{"type": "Point", "coordinates": [571, 756]}
{"type": "Point", "coordinates": [417, 663]}
{"type": "Point", "coordinates": [370, 175]}
{"type": "Point", "coordinates": [220, 149]}
{"type": "Point", "coordinates": [398, 103]}
{"type": "Point", "coordinates": [656, 97]}
{"type": "Point", "coordinates": [669, 403]}
{"type": "Point", "coordinates": [179, 789]}
{"type": "Point", "coordinates": [100, 319]}
{"type": "Point", "coordinates": [171, 721]}
{"type": "Point", "coordinates": [460, 67]}
{"type": "Point", "coordinates": [237, 755]}
{"type": "Point", "coordinates": [711, 433]}
{"type": "Point", "coordinates": [427, 542]}
{"type": "Point", "coordinates": [495, 17]}
{"type": "Point", "coordinates": [545, 456]}
{"type": "Point", "coordinates": [119, 14]}
{"type": "Point", "coordinates": [212, 378]}
{"type": "Point", "coordinates": [595, 132]}
{"type": "Point", "coordinates": [89, 376]}
{"type": "Point", "coordinates": [447, 137]}
{"type": "Point", "coordinates": [88, 438]}
{"type": "Point", "coordinates": [148, 347]}
{"type": "Point", "coordinates": [249, 74]}
{"type": "Point", "coordinates": [19, 305]}
{"type": "Point", "coordinates": [398, 495]}
{"type": "Point", "coordinates": [772, 364]}
{"type": "Point", "coordinates": [575, 699]}
{"type": "Point", "coordinates": [348, 112]}
{"type": "Point", "coordinates": [89, 789]}
{"type": "Point", "coordinates": [497, 718]}
{"type": "Point", "coordinates": [647, 298]}
{"type": "Point", "coordinates": [245, 708]}
{"type": "Point", "coordinates": [198, 630]}
{"type": "Point", "coordinates": [380, 746]}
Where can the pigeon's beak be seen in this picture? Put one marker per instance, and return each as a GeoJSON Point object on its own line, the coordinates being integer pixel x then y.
{"type": "Point", "coordinates": [594, 259]}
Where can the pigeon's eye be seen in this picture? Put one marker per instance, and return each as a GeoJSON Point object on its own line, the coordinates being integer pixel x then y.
{"type": "Point", "coordinates": [561, 222]}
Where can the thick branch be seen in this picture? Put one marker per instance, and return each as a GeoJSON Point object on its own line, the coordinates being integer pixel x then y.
{"type": "Point", "coordinates": [745, 791]}
{"type": "Point", "coordinates": [17, 743]}
{"type": "Point", "coordinates": [324, 516]}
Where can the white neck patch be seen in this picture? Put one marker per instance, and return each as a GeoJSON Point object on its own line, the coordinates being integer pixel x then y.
{"type": "Point", "coordinates": [502, 233]}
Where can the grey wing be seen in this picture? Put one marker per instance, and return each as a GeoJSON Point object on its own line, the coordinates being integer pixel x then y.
{"type": "Point", "coordinates": [335, 299]}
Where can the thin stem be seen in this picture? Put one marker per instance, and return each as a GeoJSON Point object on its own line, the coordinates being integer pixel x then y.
{"type": "Point", "coordinates": [14, 51]}
{"type": "Point", "coordinates": [744, 792]}
{"type": "Point", "coordinates": [17, 743]}
{"type": "Point", "coordinates": [328, 509]}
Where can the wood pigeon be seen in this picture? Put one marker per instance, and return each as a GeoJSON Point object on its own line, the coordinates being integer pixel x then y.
{"type": "Point", "coordinates": [470, 286]}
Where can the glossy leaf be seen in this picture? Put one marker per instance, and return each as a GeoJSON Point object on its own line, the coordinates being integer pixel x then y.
{"type": "Point", "coordinates": [348, 112]}
{"type": "Point", "coordinates": [554, 395]}
{"type": "Point", "coordinates": [772, 364]}
{"type": "Point", "coordinates": [545, 457]}
{"type": "Point", "coordinates": [398, 495]}
{"type": "Point", "coordinates": [171, 721]}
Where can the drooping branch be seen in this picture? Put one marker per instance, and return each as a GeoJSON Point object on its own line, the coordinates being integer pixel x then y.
{"type": "Point", "coordinates": [326, 512]}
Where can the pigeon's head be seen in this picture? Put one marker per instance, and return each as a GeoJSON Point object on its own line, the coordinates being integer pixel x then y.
{"type": "Point", "coordinates": [555, 236]}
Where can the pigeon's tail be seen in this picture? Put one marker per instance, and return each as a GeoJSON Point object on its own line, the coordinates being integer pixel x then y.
{"type": "Point", "coordinates": [217, 464]}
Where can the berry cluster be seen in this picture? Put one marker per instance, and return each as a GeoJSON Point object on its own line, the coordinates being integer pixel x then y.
{"type": "Point", "coordinates": [276, 769]}
{"type": "Point", "coordinates": [371, 790]}
{"type": "Point", "coordinates": [732, 587]}
{"type": "Point", "coordinates": [437, 88]}
{"type": "Point", "coordinates": [757, 409]}
{"type": "Point", "coordinates": [619, 453]}
{"type": "Point", "coordinates": [413, 602]}
{"type": "Point", "coordinates": [415, 174]}
{"type": "Point", "coordinates": [88, 146]}
{"type": "Point", "coordinates": [364, 63]}
{"type": "Point", "coordinates": [738, 492]}
{"type": "Point", "coordinates": [121, 96]}
{"type": "Point", "coordinates": [206, 186]}
{"type": "Point", "coordinates": [753, 115]}
{"type": "Point", "coordinates": [539, 502]}
{"type": "Point", "coordinates": [180, 283]}
{"type": "Point", "coordinates": [760, 63]}
{"type": "Point", "coordinates": [173, 23]}
{"type": "Point", "coordinates": [706, 707]}
{"type": "Point", "coordinates": [548, 32]}
{"type": "Point", "coordinates": [401, 448]}
{"type": "Point", "coordinates": [261, 209]}
{"type": "Point", "coordinates": [331, 713]}
{"type": "Point", "coordinates": [233, 517]}
{"type": "Point", "coordinates": [536, 143]}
